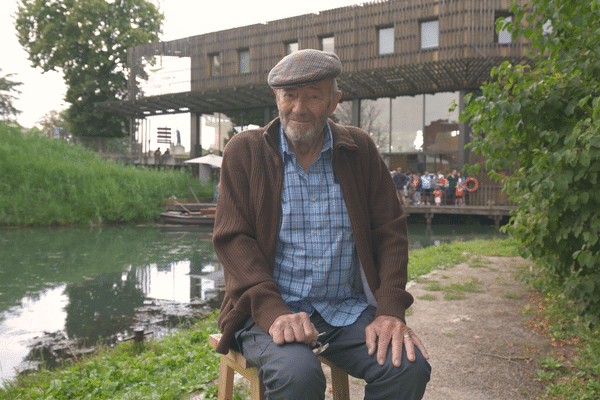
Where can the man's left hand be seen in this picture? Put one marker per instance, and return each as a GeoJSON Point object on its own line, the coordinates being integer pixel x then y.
{"type": "Point", "coordinates": [391, 329]}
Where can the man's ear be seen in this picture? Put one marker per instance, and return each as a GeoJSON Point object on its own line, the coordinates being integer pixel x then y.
{"type": "Point", "coordinates": [335, 101]}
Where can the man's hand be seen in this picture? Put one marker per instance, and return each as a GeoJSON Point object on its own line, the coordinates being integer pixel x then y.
{"type": "Point", "coordinates": [391, 329]}
{"type": "Point", "coordinates": [289, 328]}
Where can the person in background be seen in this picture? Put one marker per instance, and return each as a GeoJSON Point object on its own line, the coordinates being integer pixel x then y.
{"type": "Point", "coordinates": [451, 193]}
{"type": "Point", "coordinates": [460, 190]}
{"type": "Point", "coordinates": [416, 184]}
{"type": "Point", "coordinates": [400, 180]}
{"type": "Point", "coordinates": [314, 247]}
{"type": "Point", "coordinates": [426, 185]}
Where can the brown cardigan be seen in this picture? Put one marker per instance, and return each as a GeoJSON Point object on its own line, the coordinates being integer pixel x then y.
{"type": "Point", "coordinates": [248, 218]}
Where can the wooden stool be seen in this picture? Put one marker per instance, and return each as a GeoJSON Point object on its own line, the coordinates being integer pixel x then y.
{"type": "Point", "coordinates": [234, 361]}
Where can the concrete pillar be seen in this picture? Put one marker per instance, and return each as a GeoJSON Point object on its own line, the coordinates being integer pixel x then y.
{"type": "Point", "coordinates": [195, 135]}
{"type": "Point", "coordinates": [355, 113]}
{"type": "Point", "coordinates": [266, 115]}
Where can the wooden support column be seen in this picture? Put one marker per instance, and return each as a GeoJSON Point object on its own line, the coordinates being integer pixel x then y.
{"type": "Point", "coordinates": [429, 218]}
{"type": "Point", "coordinates": [465, 133]}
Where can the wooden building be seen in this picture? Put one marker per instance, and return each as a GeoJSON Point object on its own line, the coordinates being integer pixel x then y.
{"type": "Point", "coordinates": [394, 49]}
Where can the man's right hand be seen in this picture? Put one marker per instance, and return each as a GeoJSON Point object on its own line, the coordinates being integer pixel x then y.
{"type": "Point", "coordinates": [289, 328]}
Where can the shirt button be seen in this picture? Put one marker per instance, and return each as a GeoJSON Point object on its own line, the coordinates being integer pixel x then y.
{"type": "Point", "coordinates": [316, 264]}
{"type": "Point", "coordinates": [313, 199]}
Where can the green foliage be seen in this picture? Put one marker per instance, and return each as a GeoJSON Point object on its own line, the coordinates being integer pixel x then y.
{"type": "Point", "coordinates": [168, 368]}
{"type": "Point", "coordinates": [7, 88]}
{"type": "Point", "coordinates": [87, 40]}
{"type": "Point", "coordinates": [540, 125]}
{"type": "Point", "coordinates": [55, 119]}
{"type": "Point", "coordinates": [46, 181]}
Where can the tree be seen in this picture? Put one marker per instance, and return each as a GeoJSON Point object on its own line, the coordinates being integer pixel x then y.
{"type": "Point", "coordinates": [370, 113]}
{"type": "Point", "coordinates": [7, 87]}
{"type": "Point", "coordinates": [541, 126]}
{"type": "Point", "coordinates": [55, 119]}
{"type": "Point", "coordinates": [88, 40]}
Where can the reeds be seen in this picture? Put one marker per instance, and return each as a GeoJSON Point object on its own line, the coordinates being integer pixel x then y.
{"type": "Point", "coordinates": [49, 182]}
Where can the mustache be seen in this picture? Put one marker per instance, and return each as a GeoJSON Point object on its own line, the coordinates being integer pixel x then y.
{"type": "Point", "coordinates": [298, 118]}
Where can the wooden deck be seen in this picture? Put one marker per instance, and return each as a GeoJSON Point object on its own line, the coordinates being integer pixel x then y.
{"type": "Point", "coordinates": [494, 212]}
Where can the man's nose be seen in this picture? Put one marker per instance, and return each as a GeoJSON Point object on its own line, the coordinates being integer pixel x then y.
{"type": "Point", "coordinates": [300, 105]}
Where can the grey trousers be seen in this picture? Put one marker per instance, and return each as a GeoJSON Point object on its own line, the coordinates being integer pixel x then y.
{"type": "Point", "coordinates": [292, 371]}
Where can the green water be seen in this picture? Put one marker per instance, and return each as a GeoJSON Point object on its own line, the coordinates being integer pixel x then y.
{"type": "Point", "coordinates": [87, 282]}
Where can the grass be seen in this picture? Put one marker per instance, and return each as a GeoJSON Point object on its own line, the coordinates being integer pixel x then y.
{"type": "Point", "coordinates": [50, 182]}
{"type": "Point", "coordinates": [445, 256]}
{"type": "Point", "coordinates": [573, 370]}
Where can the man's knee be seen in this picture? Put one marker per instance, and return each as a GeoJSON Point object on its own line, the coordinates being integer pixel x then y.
{"type": "Point", "coordinates": [405, 382]}
{"type": "Point", "coordinates": [295, 375]}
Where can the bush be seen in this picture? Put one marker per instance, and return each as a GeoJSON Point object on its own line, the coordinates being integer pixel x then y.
{"type": "Point", "coordinates": [541, 126]}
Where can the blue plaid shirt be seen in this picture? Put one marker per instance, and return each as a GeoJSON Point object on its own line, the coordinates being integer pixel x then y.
{"type": "Point", "coordinates": [316, 256]}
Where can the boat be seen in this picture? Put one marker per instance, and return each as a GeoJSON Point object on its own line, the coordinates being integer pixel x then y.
{"type": "Point", "coordinates": [188, 218]}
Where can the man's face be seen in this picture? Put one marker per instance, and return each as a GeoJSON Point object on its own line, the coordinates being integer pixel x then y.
{"type": "Point", "coordinates": [304, 110]}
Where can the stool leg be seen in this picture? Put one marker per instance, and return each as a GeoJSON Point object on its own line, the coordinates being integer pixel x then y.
{"type": "Point", "coordinates": [225, 380]}
{"type": "Point", "coordinates": [257, 389]}
{"type": "Point", "coordinates": [339, 384]}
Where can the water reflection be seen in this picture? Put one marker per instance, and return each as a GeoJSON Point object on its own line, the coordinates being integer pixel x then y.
{"type": "Point", "coordinates": [88, 283]}
{"type": "Point", "coordinates": [92, 284]}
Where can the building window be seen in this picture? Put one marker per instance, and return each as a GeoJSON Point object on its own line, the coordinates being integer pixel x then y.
{"type": "Point", "coordinates": [214, 64]}
{"type": "Point", "coordinates": [328, 44]}
{"type": "Point", "coordinates": [385, 38]}
{"type": "Point", "coordinates": [504, 35]}
{"type": "Point", "coordinates": [244, 61]}
{"type": "Point", "coordinates": [430, 34]}
{"type": "Point", "coordinates": [291, 47]}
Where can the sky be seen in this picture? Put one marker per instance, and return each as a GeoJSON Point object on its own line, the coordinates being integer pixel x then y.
{"type": "Point", "coordinates": [44, 92]}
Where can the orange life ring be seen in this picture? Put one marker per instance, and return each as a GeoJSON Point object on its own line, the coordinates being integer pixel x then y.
{"type": "Point", "coordinates": [472, 187]}
{"type": "Point", "coordinates": [443, 182]}
{"type": "Point", "coordinates": [415, 183]}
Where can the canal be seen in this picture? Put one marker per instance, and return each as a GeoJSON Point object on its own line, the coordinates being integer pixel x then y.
{"type": "Point", "coordinates": [60, 286]}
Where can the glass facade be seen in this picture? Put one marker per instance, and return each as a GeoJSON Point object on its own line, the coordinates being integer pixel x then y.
{"type": "Point", "coordinates": [418, 133]}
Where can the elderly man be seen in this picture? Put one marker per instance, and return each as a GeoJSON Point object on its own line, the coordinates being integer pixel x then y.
{"type": "Point", "coordinates": [314, 247]}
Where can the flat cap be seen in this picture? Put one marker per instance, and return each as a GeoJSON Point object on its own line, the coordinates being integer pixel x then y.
{"type": "Point", "coordinates": [304, 67]}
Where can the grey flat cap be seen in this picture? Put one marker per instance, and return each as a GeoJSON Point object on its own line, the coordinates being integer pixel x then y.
{"type": "Point", "coordinates": [304, 67]}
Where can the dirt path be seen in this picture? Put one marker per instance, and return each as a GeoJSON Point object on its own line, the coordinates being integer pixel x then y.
{"type": "Point", "coordinates": [479, 346]}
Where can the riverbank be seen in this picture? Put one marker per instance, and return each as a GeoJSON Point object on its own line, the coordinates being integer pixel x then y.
{"type": "Point", "coordinates": [183, 365]}
{"type": "Point", "coordinates": [50, 182]}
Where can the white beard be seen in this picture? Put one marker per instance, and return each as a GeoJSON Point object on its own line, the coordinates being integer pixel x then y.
{"type": "Point", "coordinates": [302, 135]}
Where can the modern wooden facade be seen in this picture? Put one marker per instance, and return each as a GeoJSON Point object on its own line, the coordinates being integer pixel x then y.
{"type": "Point", "coordinates": [435, 46]}
{"type": "Point", "coordinates": [465, 53]}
